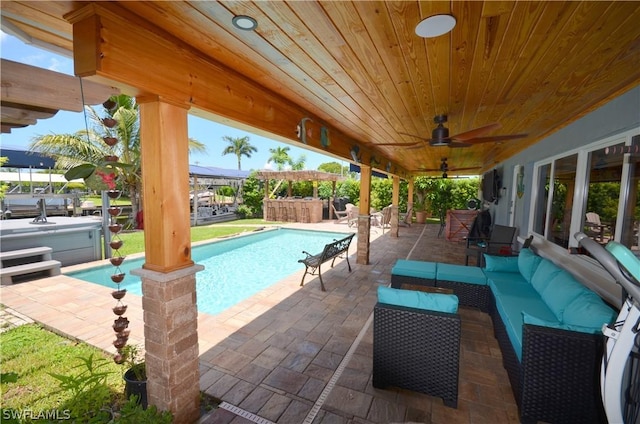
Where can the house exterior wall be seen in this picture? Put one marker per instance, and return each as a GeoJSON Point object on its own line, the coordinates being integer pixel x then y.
{"type": "Point", "coordinates": [619, 115]}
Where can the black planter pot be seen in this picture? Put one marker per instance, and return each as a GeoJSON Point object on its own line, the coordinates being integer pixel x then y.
{"type": "Point", "coordinates": [135, 387]}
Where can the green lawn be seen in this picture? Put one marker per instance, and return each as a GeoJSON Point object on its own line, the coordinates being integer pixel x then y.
{"type": "Point", "coordinates": [29, 354]}
{"type": "Point", "coordinates": [49, 378]}
{"type": "Point", "coordinates": [134, 241]}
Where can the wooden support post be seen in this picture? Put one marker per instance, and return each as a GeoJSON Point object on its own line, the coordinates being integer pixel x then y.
{"type": "Point", "coordinates": [410, 197]}
{"type": "Point", "coordinates": [168, 274]}
{"type": "Point", "coordinates": [165, 161]}
{"type": "Point", "coordinates": [395, 197]}
{"type": "Point", "coordinates": [364, 221]}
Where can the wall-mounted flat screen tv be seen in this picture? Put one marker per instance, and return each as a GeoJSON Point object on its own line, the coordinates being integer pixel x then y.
{"type": "Point", "coordinates": [491, 186]}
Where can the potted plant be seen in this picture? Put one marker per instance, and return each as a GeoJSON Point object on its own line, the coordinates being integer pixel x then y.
{"type": "Point", "coordinates": [421, 189]}
{"type": "Point", "coordinates": [135, 377]}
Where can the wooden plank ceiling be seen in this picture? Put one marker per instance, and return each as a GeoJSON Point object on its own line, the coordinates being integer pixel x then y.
{"type": "Point", "coordinates": [358, 66]}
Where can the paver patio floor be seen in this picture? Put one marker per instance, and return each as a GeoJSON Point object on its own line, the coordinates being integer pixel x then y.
{"type": "Point", "coordinates": [276, 354]}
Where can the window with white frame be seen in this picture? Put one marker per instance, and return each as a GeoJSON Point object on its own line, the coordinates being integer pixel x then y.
{"type": "Point", "coordinates": [593, 190]}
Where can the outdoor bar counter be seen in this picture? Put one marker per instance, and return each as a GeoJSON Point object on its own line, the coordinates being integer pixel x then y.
{"type": "Point", "coordinates": [290, 208]}
{"type": "Point", "coordinates": [293, 210]}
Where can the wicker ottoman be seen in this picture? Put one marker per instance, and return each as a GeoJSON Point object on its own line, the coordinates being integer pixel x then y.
{"type": "Point", "coordinates": [469, 283]}
{"type": "Point", "coordinates": [421, 273]}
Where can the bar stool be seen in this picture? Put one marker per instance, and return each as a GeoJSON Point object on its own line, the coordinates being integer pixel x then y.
{"type": "Point", "coordinates": [271, 211]}
{"type": "Point", "coordinates": [282, 211]}
{"type": "Point", "coordinates": [304, 211]}
{"type": "Point", "coordinates": [293, 213]}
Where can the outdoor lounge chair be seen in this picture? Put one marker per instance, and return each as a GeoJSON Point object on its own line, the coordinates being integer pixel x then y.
{"type": "Point", "coordinates": [341, 216]}
{"type": "Point", "coordinates": [381, 219]}
{"type": "Point", "coordinates": [594, 228]}
{"type": "Point", "coordinates": [406, 218]}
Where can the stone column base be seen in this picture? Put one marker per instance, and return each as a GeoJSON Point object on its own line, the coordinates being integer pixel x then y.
{"type": "Point", "coordinates": [171, 341]}
{"type": "Point", "coordinates": [395, 219]}
{"type": "Point", "coordinates": [364, 236]}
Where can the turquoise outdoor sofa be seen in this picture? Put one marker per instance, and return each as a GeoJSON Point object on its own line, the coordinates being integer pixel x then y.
{"type": "Point", "coordinates": [548, 326]}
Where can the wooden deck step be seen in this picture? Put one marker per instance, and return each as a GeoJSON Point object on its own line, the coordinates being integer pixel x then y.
{"type": "Point", "coordinates": [43, 252]}
{"type": "Point", "coordinates": [7, 274]}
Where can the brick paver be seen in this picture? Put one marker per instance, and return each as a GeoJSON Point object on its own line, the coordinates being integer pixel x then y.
{"type": "Point", "coordinates": [273, 354]}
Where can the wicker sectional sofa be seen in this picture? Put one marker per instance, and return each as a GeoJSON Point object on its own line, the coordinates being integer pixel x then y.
{"type": "Point", "coordinates": [548, 326]}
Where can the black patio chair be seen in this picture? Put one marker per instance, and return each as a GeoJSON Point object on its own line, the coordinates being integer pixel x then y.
{"type": "Point", "coordinates": [499, 243]}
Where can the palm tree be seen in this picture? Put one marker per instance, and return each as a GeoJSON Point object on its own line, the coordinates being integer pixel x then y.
{"type": "Point", "coordinates": [238, 146]}
{"type": "Point", "coordinates": [280, 156]}
{"type": "Point", "coordinates": [84, 153]}
{"type": "Point", "coordinates": [298, 165]}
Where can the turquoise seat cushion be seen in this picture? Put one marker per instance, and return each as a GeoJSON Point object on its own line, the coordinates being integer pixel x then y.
{"type": "Point", "coordinates": [528, 262]}
{"type": "Point", "coordinates": [501, 263]}
{"type": "Point", "coordinates": [496, 280]}
{"type": "Point", "coordinates": [534, 320]}
{"type": "Point", "coordinates": [589, 311]}
{"type": "Point", "coordinates": [461, 274]}
{"type": "Point", "coordinates": [418, 269]}
{"type": "Point", "coordinates": [561, 291]}
{"type": "Point", "coordinates": [510, 309]}
{"type": "Point", "coordinates": [420, 300]}
{"type": "Point", "coordinates": [545, 272]}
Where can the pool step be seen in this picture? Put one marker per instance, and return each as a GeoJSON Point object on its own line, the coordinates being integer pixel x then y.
{"type": "Point", "coordinates": [43, 252]}
{"type": "Point", "coordinates": [24, 262]}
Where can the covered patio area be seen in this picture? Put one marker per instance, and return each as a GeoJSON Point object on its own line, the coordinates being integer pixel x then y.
{"type": "Point", "coordinates": [296, 354]}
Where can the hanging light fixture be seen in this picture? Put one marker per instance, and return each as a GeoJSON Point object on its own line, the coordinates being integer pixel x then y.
{"type": "Point", "coordinates": [435, 25]}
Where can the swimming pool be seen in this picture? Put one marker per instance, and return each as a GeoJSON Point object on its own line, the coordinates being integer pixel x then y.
{"type": "Point", "coordinates": [235, 269]}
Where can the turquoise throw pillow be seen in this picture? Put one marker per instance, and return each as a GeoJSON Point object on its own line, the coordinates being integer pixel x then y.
{"type": "Point", "coordinates": [528, 263]}
{"type": "Point", "coordinates": [545, 273]}
{"type": "Point", "coordinates": [560, 292]}
{"type": "Point", "coordinates": [533, 320]}
{"type": "Point", "coordinates": [415, 299]}
{"type": "Point", "coordinates": [588, 310]}
{"type": "Point", "coordinates": [501, 263]}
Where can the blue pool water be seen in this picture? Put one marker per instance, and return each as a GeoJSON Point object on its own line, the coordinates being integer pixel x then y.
{"type": "Point", "coordinates": [235, 269]}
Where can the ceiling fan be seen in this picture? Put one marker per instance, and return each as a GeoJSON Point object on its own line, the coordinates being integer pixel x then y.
{"type": "Point", "coordinates": [444, 168]}
{"type": "Point", "coordinates": [440, 136]}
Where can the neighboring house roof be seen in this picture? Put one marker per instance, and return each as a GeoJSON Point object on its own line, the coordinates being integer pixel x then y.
{"type": "Point", "coordinates": [213, 172]}
{"type": "Point", "coordinates": [26, 159]}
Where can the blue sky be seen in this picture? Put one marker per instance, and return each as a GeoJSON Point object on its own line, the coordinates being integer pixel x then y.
{"type": "Point", "coordinates": [207, 132]}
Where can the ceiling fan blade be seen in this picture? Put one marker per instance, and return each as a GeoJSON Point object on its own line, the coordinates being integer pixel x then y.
{"type": "Point", "coordinates": [467, 135]}
{"type": "Point", "coordinates": [397, 144]}
{"type": "Point", "coordinates": [458, 144]}
{"type": "Point", "coordinates": [496, 138]}
{"type": "Point", "coordinates": [416, 136]}
{"type": "Point", "coordinates": [448, 169]}
{"type": "Point", "coordinates": [465, 169]}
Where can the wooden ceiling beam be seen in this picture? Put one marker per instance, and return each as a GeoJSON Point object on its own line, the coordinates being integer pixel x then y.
{"type": "Point", "coordinates": [27, 85]}
{"type": "Point", "coordinates": [113, 45]}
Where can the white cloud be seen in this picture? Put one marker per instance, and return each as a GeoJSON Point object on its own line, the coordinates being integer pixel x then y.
{"type": "Point", "coordinates": [267, 165]}
{"type": "Point", "coordinates": [56, 64]}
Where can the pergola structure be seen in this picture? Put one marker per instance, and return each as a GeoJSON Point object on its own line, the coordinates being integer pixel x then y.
{"type": "Point", "coordinates": [298, 210]}
{"type": "Point", "coordinates": [291, 176]}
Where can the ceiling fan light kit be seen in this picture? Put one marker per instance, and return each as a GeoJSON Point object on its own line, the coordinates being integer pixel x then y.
{"type": "Point", "coordinates": [435, 25]}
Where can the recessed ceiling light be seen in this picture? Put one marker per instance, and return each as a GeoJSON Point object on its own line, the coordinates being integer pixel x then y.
{"type": "Point", "coordinates": [436, 25]}
{"type": "Point", "coordinates": [245, 23]}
